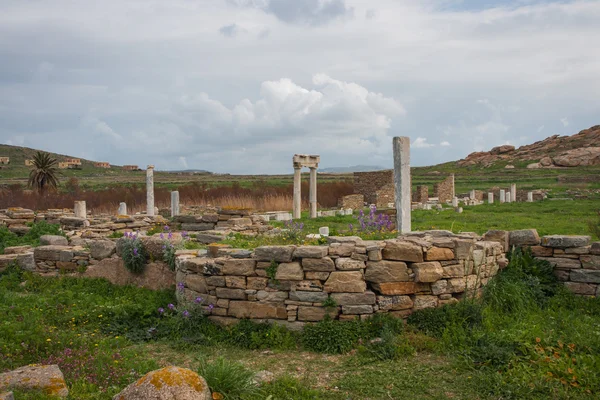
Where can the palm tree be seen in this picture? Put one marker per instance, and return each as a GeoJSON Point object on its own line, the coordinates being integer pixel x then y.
{"type": "Point", "coordinates": [44, 172]}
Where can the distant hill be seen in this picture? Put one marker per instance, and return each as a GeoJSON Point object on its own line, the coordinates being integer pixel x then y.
{"type": "Point", "coordinates": [579, 150]}
{"type": "Point", "coordinates": [354, 168]}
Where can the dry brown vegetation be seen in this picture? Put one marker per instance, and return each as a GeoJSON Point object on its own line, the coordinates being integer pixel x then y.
{"type": "Point", "coordinates": [260, 196]}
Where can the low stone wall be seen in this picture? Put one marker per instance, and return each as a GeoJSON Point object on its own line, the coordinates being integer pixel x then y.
{"type": "Point", "coordinates": [362, 277]}
{"type": "Point", "coordinates": [576, 260]}
{"type": "Point", "coordinates": [353, 201]}
{"type": "Point", "coordinates": [421, 194]}
{"type": "Point", "coordinates": [444, 190]}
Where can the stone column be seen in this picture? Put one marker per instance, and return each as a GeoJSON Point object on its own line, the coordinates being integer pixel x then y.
{"type": "Point", "coordinates": [472, 195]}
{"type": "Point", "coordinates": [174, 203]}
{"type": "Point", "coordinates": [455, 202]}
{"type": "Point", "coordinates": [507, 197]}
{"type": "Point", "coordinates": [122, 208]}
{"type": "Point", "coordinates": [402, 183]}
{"type": "Point", "coordinates": [530, 197]}
{"type": "Point", "coordinates": [150, 190]}
{"type": "Point", "coordinates": [452, 180]}
{"type": "Point", "coordinates": [491, 198]}
{"type": "Point", "coordinates": [513, 192]}
{"type": "Point", "coordinates": [502, 196]}
{"type": "Point", "coordinates": [312, 194]}
{"type": "Point", "coordinates": [297, 193]}
{"type": "Point", "coordinates": [80, 209]}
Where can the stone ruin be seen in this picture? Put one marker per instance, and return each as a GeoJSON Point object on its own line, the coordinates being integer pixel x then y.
{"type": "Point", "coordinates": [312, 163]}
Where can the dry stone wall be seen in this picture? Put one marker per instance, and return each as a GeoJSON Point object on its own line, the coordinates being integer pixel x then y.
{"type": "Point", "coordinates": [289, 284]}
{"type": "Point", "coordinates": [421, 195]}
{"type": "Point", "coordinates": [353, 201]}
{"type": "Point", "coordinates": [368, 183]}
{"type": "Point", "coordinates": [444, 190]}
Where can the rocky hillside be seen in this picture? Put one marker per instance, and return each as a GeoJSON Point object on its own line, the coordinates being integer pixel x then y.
{"type": "Point", "coordinates": [581, 149]}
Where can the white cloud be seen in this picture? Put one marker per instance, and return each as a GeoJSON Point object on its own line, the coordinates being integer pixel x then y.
{"type": "Point", "coordinates": [421, 143]}
{"type": "Point", "coordinates": [564, 121]}
{"type": "Point", "coordinates": [445, 144]}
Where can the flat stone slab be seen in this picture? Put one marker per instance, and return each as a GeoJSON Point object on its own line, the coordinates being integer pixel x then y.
{"type": "Point", "coordinates": [47, 378]}
{"type": "Point", "coordinates": [564, 241]}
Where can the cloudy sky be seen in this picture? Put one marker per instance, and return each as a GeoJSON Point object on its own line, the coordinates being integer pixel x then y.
{"type": "Point", "coordinates": [239, 86]}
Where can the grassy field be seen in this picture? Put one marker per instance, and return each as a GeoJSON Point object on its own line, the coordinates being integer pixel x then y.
{"type": "Point", "coordinates": [548, 217]}
{"type": "Point", "coordinates": [526, 338]}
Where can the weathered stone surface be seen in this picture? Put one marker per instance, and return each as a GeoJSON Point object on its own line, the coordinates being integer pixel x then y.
{"type": "Point", "coordinates": [227, 293]}
{"type": "Point", "coordinates": [453, 271]}
{"type": "Point", "coordinates": [563, 241]}
{"type": "Point", "coordinates": [313, 314]}
{"type": "Point", "coordinates": [541, 251]}
{"type": "Point", "coordinates": [276, 296]}
{"type": "Point", "coordinates": [463, 248]}
{"type": "Point", "coordinates": [562, 263]}
{"type": "Point", "coordinates": [51, 252]}
{"type": "Point", "coordinates": [595, 248]}
{"type": "Point", "coordinates": [7, 396]}
{"type": "Point", "coordinates": [318, 264]}
{"type": "Point", "coordinates": [345, 281]}
{"type": "Point", "coordinates": [26, 261]}
{"type": "Point", "coordinates": [341, 249]}
{"type": "Point", "coordinates": [395, 288]}
{"type": "Point", "coordinates": [312, 297]}
{"type": "Point", "coordinates": [156, 275]}
{"type": "Point", "coordinates": [198, 227]}
{"type": "Point", "coordinates": [375, 255]}
{"type": "Point", "coordinates": [274, 253]}
{"type": "Point", "coordinates": [497, 236]}
{"type": "Point", "coordinates": [316, 275]}
{"type": "Point", "coordinates": [458, 285]}
{"type": "Point", "coordinates": [427, 271]}
{"type": "Point", "coordinates": [289, 272]}
{"type": "Point", "coordinates": [386, 271]}
{"type": "Point", "coordinates": [215, 281]}
{"type": "Point", "coordinates": [590, 262]}
{"type": "Point", "coordinates": [345, 299]}
{"type": "Point", "coordinates": [348, 264]}
{"type": "Point", "coordinates": [439, 287]}
{"type": "Point", "coordinates": [18, 249]}
{"type": "Point", "coordinates": [585, 275]}
{"type": "Point", "coordinates": [66, 266]}
{"type": "Point", "coordinates": [235, 282]}
{"type": "Point", "coordinates": [578, 250]}
{"type": "Point", "coordinates": [357, 309]}
{"type": "Point", "coordinates": [524, 237]}
{"type": "Point", "coordinates": [240, 222]}
{"type": "Point", "coordinates": [243, 267]}
{"type": "Point", "coordinates": [47, 378]}
{"type": "Point", "coordinates": [208, 238]}
{"type": "Point", "coordinates": [252, 309]}
{"type": "Point", "coordinates": [167, 384]}
{"type": "Point", "coordinates": [393, 303]}
{"type": "Point", "coordinates": [587, 289]}
{"type": "Point", "coordinates": [422, 302]}
{"type": "Point", "coordinates": [439, 254]}
{"type": "Point", "coordinates": [101, 249]}
{"type": "Point", "coordinates": [311, 251]}
{"type": "Point", "coordinates": [402, 251]}
{"type": "Point", "coordinates": [257, 283]}
{"type": "Point", "coordinates": [53, 240]}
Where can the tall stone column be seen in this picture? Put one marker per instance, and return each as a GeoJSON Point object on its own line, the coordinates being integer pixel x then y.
{"type": "Point", "coordinates": [530, 197]}
{"type": "Point", "coordinates": [80, 209]}
{"type": "Point", "coordinates": [513, 192]}
{"type": "Point", "coordinates": [313, 192]}
{"type": "Point", "coordinates": [507, 197]}
{"type": "Point", "coordinates": [174, 203]}
{"type": "Point", "coordinates": [491, 198]}
{"type": "Point", "coordinates": [150, 190]}
{"type": "Point", "coordinates": [502, 196]}
{"type": "Point", "coordinates": [122, 208]}
{"type": "Point", "coordinates": [472, 195]}
{"type": "Point", "coordinates": [297, 193]}
{"type": "Point", "coordinates": [402, 183]}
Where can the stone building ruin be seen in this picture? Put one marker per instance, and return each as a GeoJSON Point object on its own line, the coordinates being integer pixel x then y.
{"type": "Point", "coordinates": [311, 162]}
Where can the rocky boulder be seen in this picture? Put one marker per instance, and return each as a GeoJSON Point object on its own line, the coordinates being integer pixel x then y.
{"type": "Point", "coordinates": [170, 383]}
{"type": "Point", "coordinates": [101, 249]}
{"type": "Point", "coordinates": [47, 378]}
{"type": "Point", "coordinates": [54, 240]}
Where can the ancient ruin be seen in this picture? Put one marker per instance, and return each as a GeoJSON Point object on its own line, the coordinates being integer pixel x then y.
{"type": "Point", "coordinates": [311, 162]}
{"type": "Point", "coordinates": [402, 183]}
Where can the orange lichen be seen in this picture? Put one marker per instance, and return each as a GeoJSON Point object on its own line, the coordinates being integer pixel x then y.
{"type": "Point", "coordinates": [57, 385]}
{"type": "Point", "coordinates": [172, 376]}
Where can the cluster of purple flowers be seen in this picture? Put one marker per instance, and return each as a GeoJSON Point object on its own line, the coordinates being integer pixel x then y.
{"type": "Point", "coordinates": [185, 313]}
{"type": "Point", "coordinates": [373, 222]}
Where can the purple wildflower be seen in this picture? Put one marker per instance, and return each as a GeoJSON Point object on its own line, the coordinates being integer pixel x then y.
{"type": "Point", "coordinates": [161, 310]}
{"type": "Point", "coordinates": [198, 300]}
{"type": "Point", "coordinates": [166, 228]}
{"type": "Point", "coordinates": [135, 251]}
{"type": "Point", "coordinates": [180, 286]}
{"type": "Point", "coordinates": [184, 234]}
{"type": "Point", "coordinates": [210, 307]}
{"type": "Point", "coordinates": [185, 313]}
{"type": "Point", "coordinates": [171, 306]}
{"type": "Point", "coordinates": [162, 236]}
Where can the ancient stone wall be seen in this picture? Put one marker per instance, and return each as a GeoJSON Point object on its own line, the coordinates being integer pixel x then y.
{"type": "Point", "coordinates": [291, 283]}
{"type": "Point", "coordinates": [385, 197]}
{"type": "Point", "coordinates": [421, 195]}
{"type": "Point", "coordinates": [368, 183]}
{"type": "Point", "coordinates": [353, 201]}
{"type": "Point", "coordinates": [576, 260]}
{"type": "Point", "coordinates": [444, 190]}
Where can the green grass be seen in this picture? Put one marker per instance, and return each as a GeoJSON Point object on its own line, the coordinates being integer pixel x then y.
{"type": "Point", "coordinates": [32, 238]}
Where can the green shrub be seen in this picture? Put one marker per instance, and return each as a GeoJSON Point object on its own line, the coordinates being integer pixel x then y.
{"type": "Point", "coordinates": [231, 379]}
{"type": "Point", "coordinates": [134, 253]}
{"type": "Point", "coordinates": [330, 336]}
{"type": "Point", "coordinates": [116, 235]}
{"type": "Point", "coordinates": [465, 314]}
{"type": "Point", "coordinates": [271, 271]}
{"type": "Point", "coordinates": [330, 302]}
{"type": "Point", "coordinates": [252, 335]}
{"type": "Point", "coordinates": [491, 350]}
{"type": "Point", "coordinates": [390, 346]}
{"type": "Point", "coordinates": [32, 237]}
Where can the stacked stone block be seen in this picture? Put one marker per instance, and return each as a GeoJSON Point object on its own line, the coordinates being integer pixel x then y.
{"type": "Point", "coordinates": [292, 284]}
{"type": "Point", "coordinates": [353, 201]}
{"type": "Point", "coordinates": [421, 195]}
{"type": "Point", "coordinates": [444, 190]}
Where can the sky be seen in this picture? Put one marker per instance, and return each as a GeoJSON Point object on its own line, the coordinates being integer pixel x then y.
{"type": "Point", "coordinates": [240, 86]}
